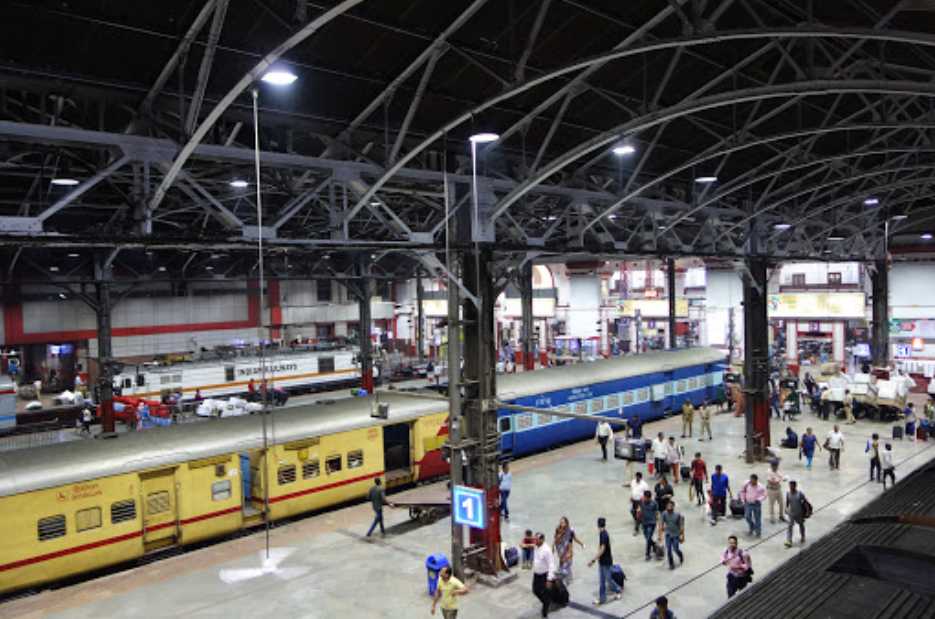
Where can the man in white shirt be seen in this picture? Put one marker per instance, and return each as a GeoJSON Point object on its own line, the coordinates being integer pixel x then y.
{"type": "Point", "coordinates": [637, 488]}
{"type": "Point", "coordinates": [543, 573]}
{"type": "Point", "coordinates": [834, 444]}
{"type": "Point", "coordinates": [602, 435]}
{"type": "Point", "coordinates": [659, 454]}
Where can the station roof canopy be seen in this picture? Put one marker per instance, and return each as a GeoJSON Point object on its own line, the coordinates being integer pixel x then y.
{"type": "Point", "coordinates": [689, 127]}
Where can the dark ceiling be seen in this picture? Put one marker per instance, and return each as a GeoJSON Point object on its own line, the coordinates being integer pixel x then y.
{"type": "Point", "coordinates": [805, 111]}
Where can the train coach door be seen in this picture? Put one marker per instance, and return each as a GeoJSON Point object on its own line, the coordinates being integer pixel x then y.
{"type": "Point", "coordinates": [160, 508]}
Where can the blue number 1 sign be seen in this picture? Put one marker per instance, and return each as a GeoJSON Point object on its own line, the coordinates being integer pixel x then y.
{"type": "Point", "coordinates": [468, 506]}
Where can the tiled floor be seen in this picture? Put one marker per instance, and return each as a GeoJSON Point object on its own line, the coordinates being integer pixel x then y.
{"type": "Point", "coordinates": [322, 566]}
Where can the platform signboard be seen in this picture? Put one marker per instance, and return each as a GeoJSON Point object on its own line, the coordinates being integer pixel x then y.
{"type": "Point", "coordinates": [468, 506]}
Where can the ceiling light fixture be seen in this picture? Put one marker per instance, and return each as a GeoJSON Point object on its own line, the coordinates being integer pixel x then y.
{"type": "Point", "coordinates": [835, 237]}
{"type": "Point", "coordinates": [484, 138]}
{"type": "Point", "coordinates": [62, 295]}
{"type": "Point", "coordinates": [782, 227]}
{"type": "Point", "coordinates": [53, 269]}
{"type": "Point", "coordinates": [162, 269]}
{"type": "Point", "coordinates": [279, 77]}
{"type": "Point", "coordinates": [65, 182]}
{"type": "Point", "coordinates": [871, 201]}
{"type": "Point", "coordinates": [623, 150]}
{"type": "Point", "coordinates": [238, 183]}
{"type": "Point", "coordinates": [899, 217]}
{"type": "Point", "coordinates": [926, 236]}
{"type": "Point", "coordinates": [73, 255]}
{"type": "Point", "coordinates": [706, 179]}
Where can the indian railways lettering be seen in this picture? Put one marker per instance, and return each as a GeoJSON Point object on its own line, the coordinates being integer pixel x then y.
{"type": "Point", "coordinates": [272, 369]}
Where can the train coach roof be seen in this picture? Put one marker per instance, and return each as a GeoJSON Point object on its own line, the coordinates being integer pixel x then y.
{"type": "Point", "coordinates": [512, 386]}
{"type": "Point", "coordinates": [75, 461]}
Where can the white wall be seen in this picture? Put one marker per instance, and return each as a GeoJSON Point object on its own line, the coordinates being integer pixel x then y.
{"type": "Point", "coordinates": [584, 310]}
{"type": "Point", "coordinates": [723, 291]}
{"type": "Point", "coordinates": [911, 290]}
{"type": "Point", "coordinates": [816, 273]}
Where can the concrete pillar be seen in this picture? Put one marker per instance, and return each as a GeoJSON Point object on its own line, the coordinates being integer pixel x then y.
{"type": "Point", "coordinates": [103, 275]}
{"type": "Point", "coordinates": [756, 357]}
{"type": "Point", "coordinates": [792, 342]}
{"type": "Point", "coordinates": [837, 342]}
{"type": "Point", "coordinates": [528, 329]}
{"type": "Point", "coordinates": [880, 281]}
{"type": "Point", "coordinates": [670, 291]}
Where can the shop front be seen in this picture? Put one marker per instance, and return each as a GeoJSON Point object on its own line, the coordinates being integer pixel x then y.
{"type": "Point", "coordinates": [812, 328]}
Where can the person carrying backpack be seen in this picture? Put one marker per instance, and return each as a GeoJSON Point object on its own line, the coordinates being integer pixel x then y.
{"type": "Point", "coordinates": [739, 568]}
{"type": "Point", "coordinates": [798, 508]}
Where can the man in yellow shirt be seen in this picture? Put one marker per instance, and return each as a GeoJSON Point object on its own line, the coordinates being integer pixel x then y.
{"type": "Point", "coordinates": [688, 415]}
{"type": "Point", "coordinates": [448, 591]}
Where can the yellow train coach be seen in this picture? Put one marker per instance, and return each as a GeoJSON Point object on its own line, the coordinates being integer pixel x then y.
{"type": "Point", "coordinates": [76, 507]}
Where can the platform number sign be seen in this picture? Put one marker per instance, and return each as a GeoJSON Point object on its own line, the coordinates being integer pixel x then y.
{"type": "Point", "coordinates": [468, 506]}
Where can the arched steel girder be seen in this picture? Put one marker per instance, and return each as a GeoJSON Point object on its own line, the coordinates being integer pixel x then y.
{"type": "Point", "coordinates": [900, 184]}
{"type": "Point", "coordinates": [797, 89]}
{"type": "Point", "coordinates": [819, 187]}
{"type": "Point", "coordinates": [856, 196]}
{"type": "Point", "coordinates": [738, 147]}
{"type": "Point", "coordinates": [909, 38]}
{"type": "Point", "coordinates": [249, 78]}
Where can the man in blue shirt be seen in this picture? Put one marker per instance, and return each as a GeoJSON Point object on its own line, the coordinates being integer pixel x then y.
{"type": "Point", "coordinates": [720, 488]}
{"type": "Point", "coordinates": [648, 514]}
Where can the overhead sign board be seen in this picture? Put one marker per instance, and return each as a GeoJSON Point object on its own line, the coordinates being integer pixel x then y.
{"type": "Point", "coordinates": [817, 305]}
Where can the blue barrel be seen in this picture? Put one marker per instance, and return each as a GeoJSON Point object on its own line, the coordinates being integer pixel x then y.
{"type": "Point", "coordinates": [434, 564]}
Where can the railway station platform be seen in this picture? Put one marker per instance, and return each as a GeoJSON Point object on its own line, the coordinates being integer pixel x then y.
{"type": "Point", "coordinates": [323, 566]}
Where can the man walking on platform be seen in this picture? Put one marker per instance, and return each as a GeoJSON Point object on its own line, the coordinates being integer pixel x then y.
{"type": "Point", "coordinates": [705, 413]}
{"type": "Point", "coordinates": [637, 488]}
{"type": "Point", "coordinates": [796, 507]}
{"type": "Point", "coordinates": [648, 515]}
{"type": "Point", "coordinates": [688, 415]}
{"type": "Point", "coordinates": [774, 481]}
{"type": "Point", "coordinates": [543, 573]}
{"type": "Point", "coordinates": [808, 445]}
{"type": "Point", "coordinates": [673, 527]}
{"type": "Point", "coordinates": [605, 562]}
{"type": "Point", "coordinates": [834, 444]}
{"type": "Point", "coordinates": [720, 488]}
{"type": "Point", "coordinates": [603, 435]}
{"type": "Point", "coordinates": [659, 454]}
{"type": "Point", "coordinates": [377, 499]}
{"type": "Point", "coordinates": [753, 494]}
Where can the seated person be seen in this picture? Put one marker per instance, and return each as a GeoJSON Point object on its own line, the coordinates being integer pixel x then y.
{"type": "Point", "coordinates": [791, 441]}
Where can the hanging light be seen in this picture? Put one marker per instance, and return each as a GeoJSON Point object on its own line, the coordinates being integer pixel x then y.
{"type": "Point", "coordinates": [782, 227]}
{"type": "Point", "coordinates": [279, 77]}
{"type": "Point", "coordinates": [64, 181]}
{"type": "Point", "coordinates": [623, 150]}
{"type": "Point", "coordinates": [927, 236]}
{"type": "Point", "coordinates": [705, 180]}
{"type": "Point", "coordinates": [484, 138]}
{"type": "Point", "coordinates": [238, 183]}
{"type": "Point", "coordinates": [871, 201]}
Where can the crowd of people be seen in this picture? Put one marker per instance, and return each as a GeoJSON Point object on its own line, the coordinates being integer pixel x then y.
{"type": "Point", "coordinates": [657, 516]}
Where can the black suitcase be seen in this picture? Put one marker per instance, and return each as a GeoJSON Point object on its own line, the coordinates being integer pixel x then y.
{"type": "Point", "coordinates": [897, 432]}
{"type": "Point", "coordinates": [511, 555]}
{"type": "Point", "coordinates": [736, 508]}
{"type": "Point", "coordinates": [658, 550]}
{"type": "Point", "coordinates": [559, 593]}
{"type": "Point", "coordinates": [616, 572]}
{"type": "Point", "coordinates": [686, 472]}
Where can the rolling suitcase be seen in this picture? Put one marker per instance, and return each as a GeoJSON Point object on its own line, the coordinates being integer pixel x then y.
{"type": "Point", "coordinates": [922, 433]}
{"type": "Point", "coordinates": [686, 472]}
{"type": "Point", "coordinates": [897, 432]}
{"type": "Point", "coordinates": [658, 551]}
{"type": "Point", "coordinates": [559, 593]}
{"type": "Point", "coordinates": [616, 572]}
{"type": "Point", "coordinates": [736, 508]}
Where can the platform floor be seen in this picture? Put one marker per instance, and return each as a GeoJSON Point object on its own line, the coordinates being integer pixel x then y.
{"type": "Point", "coordinates": [324, 567]}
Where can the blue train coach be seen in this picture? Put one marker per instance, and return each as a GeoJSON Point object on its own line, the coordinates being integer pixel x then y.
{"type": "Point", "coordinates": [650, 385]}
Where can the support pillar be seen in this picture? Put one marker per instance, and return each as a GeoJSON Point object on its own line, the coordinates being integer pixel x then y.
{"type": "Point", "coordinates": [529, 334]}
{"type": "Point", "coordinates": [105, 360]}
{"type": "Point", "coordinates": [756, 357]}
{"type": "Point", "coordinates": [420, 317]}
{"type": "Point", "coordinates": [480, 418]}
{"type": "Point", "coordinates": [880, 280]}
{"type": "Point", "coordinates": [670, 290]}
{"type": "Point", "coordinates": [365, 327]}
{"type": "Point", "coordinates": [455, 410]}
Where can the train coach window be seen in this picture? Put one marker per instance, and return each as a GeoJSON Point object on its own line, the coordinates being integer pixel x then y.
{"type": "Point", "coordinates": [87, 519]}
{"type": "Point", "coordinates": [325, 364]}
{"type": "Point", "coordinates": [613, 402]}
{"type": "Point", "coordinates": [121, 511]}
{"type": "Point", "coordinates": [333, 464]}
{"type": "Point", "coordinates": [286, 474]}
{"type": "Point", "coordinates": [127, 383]}
{"type": "Point", "coordinates": [355, 459]}
{"type": "Point", "coordinates": [229, 373]}
{"type": "Point", "coordinates": [51, 527]}
{"type": "Point", "coordinates": [310, 469]}
{"type": "Point", "coordinates": [221, 490]}
{"type": "Point", "coordinates": [140, 380]}
{"type": "Point", "coordinates": [504, 424]}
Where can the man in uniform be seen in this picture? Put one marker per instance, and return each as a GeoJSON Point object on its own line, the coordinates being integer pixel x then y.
{"type": "Point", "coordinates": [688, 415]}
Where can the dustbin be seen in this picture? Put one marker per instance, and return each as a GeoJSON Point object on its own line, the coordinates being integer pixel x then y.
{"type": "Point", "coordinates": [434, 564]}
